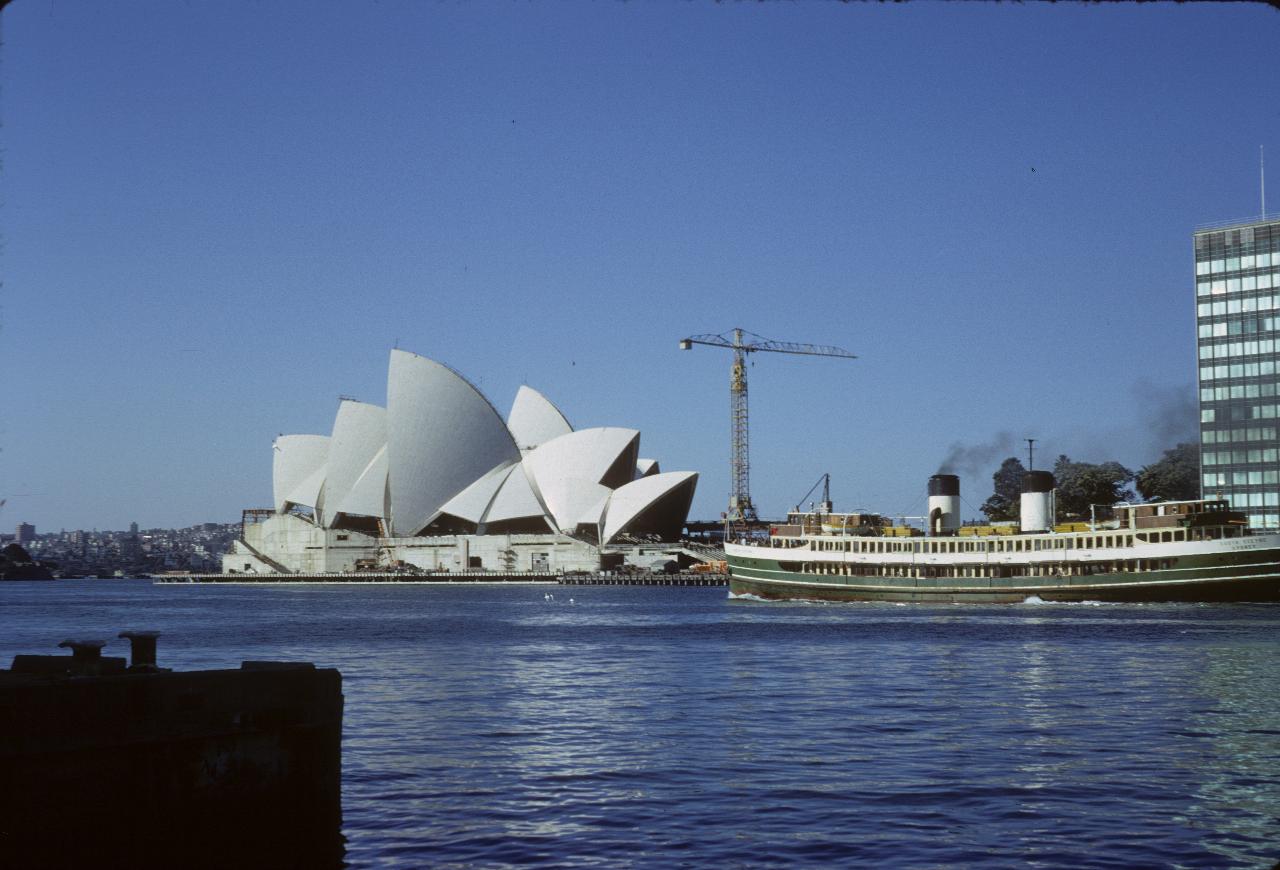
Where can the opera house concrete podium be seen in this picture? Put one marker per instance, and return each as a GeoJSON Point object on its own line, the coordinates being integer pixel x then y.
{"type": "Point", "coordinates": [437, 481]}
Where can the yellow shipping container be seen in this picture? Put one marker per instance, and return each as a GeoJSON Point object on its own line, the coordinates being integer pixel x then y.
{"type": "Point", "coordinates": [1071, 527]}
{"type": "Point", "coordinates": [989, 530]}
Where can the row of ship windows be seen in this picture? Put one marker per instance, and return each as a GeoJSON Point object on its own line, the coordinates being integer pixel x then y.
{"type": "Point", "coordinates": [1227, 436]}
{"type": "Point", "coordinates": [1235, 264]}
{"type": "Point", "coordinates": [999, 545]}
{"type": "Point", "coordinates": [1245, 326]}
{"type": "Point", "coordinates": [1011, 544]}
{"type": "Point", "coordinates": [839, 569]}
{"type": "Point", "coordinates": [1245, 478]}
{"type": "Point", "coordinates": [1228, 349]}
{"type": "Point", "coordinates": [1237, 457]}
{"type": "Point", "coordinates": [1238, 305]}
{"type": "Point", "coordinates": [1245, 283]}
{"type": "Point", "coordinates": [1239, 391]}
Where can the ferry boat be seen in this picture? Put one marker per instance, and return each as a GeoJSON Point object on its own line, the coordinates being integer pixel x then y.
{"type": "Point", "coordinates": [1197, 550]}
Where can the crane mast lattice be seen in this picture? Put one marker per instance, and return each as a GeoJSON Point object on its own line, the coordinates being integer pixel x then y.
{"type": "Point", "coordinates": [742, 343]}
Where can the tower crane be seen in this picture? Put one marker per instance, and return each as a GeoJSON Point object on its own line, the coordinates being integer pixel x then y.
{"type": "Point", "coordinates": [742, 343]}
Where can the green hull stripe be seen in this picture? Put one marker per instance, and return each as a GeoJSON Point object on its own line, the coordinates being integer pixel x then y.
{"type": "Point", "coordinates": [767, 572]}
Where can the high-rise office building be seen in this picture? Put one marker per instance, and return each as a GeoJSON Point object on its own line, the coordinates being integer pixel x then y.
{"type": "Point", "coordinates": [26, 533]}
{"type": "Point", "coordinates": [1238, 328]}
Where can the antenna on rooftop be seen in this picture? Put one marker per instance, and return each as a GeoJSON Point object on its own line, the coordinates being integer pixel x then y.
{"type": "Point", "coordinates": [1262, 179]}
{"type": "Point", "coordinates": [1031, 454]}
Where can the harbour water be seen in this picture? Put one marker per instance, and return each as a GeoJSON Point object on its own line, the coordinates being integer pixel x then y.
{"type": "Point", "coordinates": [492, 726]}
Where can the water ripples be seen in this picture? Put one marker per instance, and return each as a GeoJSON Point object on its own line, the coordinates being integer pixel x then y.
{"type": "Point", "coordinates": [657, 727]}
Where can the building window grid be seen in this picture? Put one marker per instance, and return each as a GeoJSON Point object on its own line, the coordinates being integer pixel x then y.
{"type": "Point", "coordinates": [1237, 276]}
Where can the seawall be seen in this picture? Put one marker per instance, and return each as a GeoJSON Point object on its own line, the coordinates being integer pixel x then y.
{"type": "Point", "coordinates": [476, 577]}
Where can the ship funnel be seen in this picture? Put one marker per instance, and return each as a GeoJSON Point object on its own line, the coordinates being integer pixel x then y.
{"type": "Point", "coordinates": [1037, 501]}
{"type": "Point", "coordinates": [944, 504]}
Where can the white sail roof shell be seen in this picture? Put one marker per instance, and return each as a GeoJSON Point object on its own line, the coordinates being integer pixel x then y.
{"type": "Point", "coordinates": [567, 472]}
{"type": "Point", "coordinates": [534, 420]}
{"type": "Point", "coordinates": [442, 435]}
{"type": "Point", "coordinates": [574, 501]}
{"type": "Point", "coordinates": [359, 433]}
{"type": "Point", "coordinates": [628, 502]}
{"type": "Point", "coordinates": [295, 458]}
{"type": "Point", "coordinates": [472, 503]}
{"type": "Point", "coordinates": [440, 447]}
{"type": "Point", "coordinates": [516, 499]}
{"type": "Point", "coordinates": [593, 513]}
{"type": "Point", "coordinates": [310, 491]}
{"type": "Point", "coordinates": [368, 495]}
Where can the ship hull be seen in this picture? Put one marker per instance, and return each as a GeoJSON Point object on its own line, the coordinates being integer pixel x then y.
{"type": "Point", "coordinates": [1258, 581]}
{"type": "Point", "coordinates": [1241, 590]}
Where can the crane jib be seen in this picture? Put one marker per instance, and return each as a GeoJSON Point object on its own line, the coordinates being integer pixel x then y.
{"type": "Point", "coordinates": [741, 343]}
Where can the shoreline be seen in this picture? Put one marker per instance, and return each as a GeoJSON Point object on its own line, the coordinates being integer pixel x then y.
{"type": "Point", "coordinates": [454, 579]}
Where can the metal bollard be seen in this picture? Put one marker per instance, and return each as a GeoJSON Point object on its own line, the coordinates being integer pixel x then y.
{"type": "Point", "coordinates": [142, 649]}
{"type": "Point", "coordinates": [85, 650]}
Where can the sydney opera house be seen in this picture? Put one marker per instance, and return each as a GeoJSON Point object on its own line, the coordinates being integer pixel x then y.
{"type": "Point", "coordinates": [438, 481]}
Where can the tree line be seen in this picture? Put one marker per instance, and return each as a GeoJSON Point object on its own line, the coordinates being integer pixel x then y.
{"type": "Point", "coordinates": [1173, 477]}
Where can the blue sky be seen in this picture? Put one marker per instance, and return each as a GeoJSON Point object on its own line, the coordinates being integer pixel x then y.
{"type": "Point", "coordinates": [219, 217]}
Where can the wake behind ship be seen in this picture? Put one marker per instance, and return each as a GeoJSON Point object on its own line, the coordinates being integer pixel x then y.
{"type": "Point", "coordinates": [1198, 550]}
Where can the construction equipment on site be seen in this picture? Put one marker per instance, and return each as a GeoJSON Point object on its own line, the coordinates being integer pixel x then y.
{"type": "Point", "coordinates": [824, 506]}
{"type": "Point", "coordinates": [742, 343]}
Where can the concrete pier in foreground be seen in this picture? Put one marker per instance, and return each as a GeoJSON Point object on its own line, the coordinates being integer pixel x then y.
{"type": "Point", "coordinates": [108, 765]}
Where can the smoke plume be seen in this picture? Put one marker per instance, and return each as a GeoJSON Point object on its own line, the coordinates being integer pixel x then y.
{"type": "Point", "coordinates": [1169, 414]}
{"type": "Point", "coordinates": [970, 460]}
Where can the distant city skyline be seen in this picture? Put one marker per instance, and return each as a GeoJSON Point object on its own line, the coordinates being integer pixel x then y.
{"type": "Point", "coordinates": [114, 552]}
{"type": "Point", "coordinates": [219, 217]}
